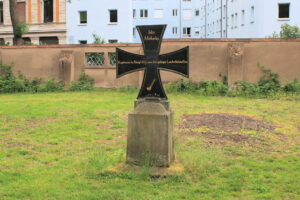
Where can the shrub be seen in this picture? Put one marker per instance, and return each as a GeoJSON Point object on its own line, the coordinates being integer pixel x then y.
{"type": "Point", "coordinates": [85, 82]}
{"type": "Point", "coordinates": [292, 87]}
{"type": "Point", "coordinates": [269, 82]}
{"type": "Point", "coordinates": [10, 84]}
{"type": "Point", "coordinates": [268, 86]}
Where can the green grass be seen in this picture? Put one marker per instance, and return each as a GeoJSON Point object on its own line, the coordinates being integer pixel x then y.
{"type": "Point", "coordinates": [61, 145]}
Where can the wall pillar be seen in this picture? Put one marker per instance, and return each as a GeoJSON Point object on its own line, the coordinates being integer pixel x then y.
{"type": "Point", "coordinates": [235, 62]}
{"type": "Point", "coordinates": [66, 66]}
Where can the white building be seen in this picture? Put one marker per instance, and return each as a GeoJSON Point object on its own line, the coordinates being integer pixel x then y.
{"type": "Point", "coordinates": [260, 18]}
{"type": "Point", "coordinates": [116, 20]}
{"type": "Point", "coordinates": [109, 19]}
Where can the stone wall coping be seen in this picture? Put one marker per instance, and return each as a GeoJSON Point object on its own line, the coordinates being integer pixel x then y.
{"type": "Point", "coordinates": [139, 44]}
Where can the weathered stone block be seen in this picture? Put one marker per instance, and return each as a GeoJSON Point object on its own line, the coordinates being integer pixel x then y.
{"type": "Point", "coordinates": [150, 134]}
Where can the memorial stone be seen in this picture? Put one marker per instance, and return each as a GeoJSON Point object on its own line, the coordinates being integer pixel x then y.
{"type": "Point", "coordinates": [151, 123]}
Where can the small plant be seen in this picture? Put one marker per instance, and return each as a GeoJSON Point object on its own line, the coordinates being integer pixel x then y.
{"type": "Point", "coordinates": [98, 39]}
{"type": "Point", "coordinates": [288, 31]}
{"type": "Point", "coordinates": [85, 82]}
{"type": "Point", "coordinates": [10, 84]}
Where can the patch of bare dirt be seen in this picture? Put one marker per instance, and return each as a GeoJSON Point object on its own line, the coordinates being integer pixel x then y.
{"type": "Point", "coordinates": [223, 129]}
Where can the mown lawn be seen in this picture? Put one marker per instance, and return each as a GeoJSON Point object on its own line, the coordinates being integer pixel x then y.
{"type": "Point", "coordinates": [61, 145]}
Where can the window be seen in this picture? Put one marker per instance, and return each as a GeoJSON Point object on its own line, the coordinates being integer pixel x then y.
{"type": "Point", "coordinates": [83, 17]}
{"type": "Point", "coordinates": [134, 13]}
{"type": "Point", "coordinates": [26, 41]}
{"type": "Point", "coordinates": [252, 14]}
{"type": "Point", "coordinates": [175, 30]}
{"type": "Point", "coordinates": [197, 31]}
{"type": "Point", "coordinates": [134, 32]}
{"type": "Point", "coordinates": [48, 40]}
{"type": "Point", "coordinates": [186, 32]}
{"type": "Point", "coordinates": [174, 12]}
{"type": "Point", "coordinates": [21, 11]}
{"type": "Point", "coordinates": [144, 13]}
{"type": "Point", "coordinates": [2, 42]}
{"type": "Point", "coordinates": [1, 12]}
{"type": "Point", "coordinates": [284, 11]}
{"type": "Point", "coordinates": [112, 41]}
{"type": "Point", "coordinates": [236, 20]}
{"type": "Point", "coordinates": [187, 14]}
{"type": "Point", "coordinates": [94, 58]}
{"type": "Point", "coordinates": [197, 12]}
{"type": "Point", "coordinates": [112, 58]}
{"type": "Point", "coordinates": [82, 42]}
{"type": "Point", "coordinates": [48, 11]}
{"type": "Point", "coordinates": [113, 16]}
{"type": "Point", "coordinates": [243, 18]}
{"type": "Point", "coordinates": [158, 14]}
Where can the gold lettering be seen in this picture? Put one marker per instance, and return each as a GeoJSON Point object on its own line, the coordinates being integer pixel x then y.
{"type": "Point", "coordinates": [159, 62]}
{"type": "Point", "coordinates": [151, 32]}
{"type": "Point", "coordinates": [151, 38]}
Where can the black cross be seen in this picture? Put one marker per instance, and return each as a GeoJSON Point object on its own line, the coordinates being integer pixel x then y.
{"type": "Point", "coordinates": [152, 62]}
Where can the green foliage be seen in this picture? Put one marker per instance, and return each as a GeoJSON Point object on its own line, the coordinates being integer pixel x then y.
{"type": "Point", "coordinates": [11, 84]}
{"type": "Point", "coordinates": [85, 82]}
{"type": "Point", "coordinates": [293, 87]}
{"type": "Point", "coordinates": [269, 82]}
{"type": "Point", "coordinates": [267, 86]}
{"type": "Point", "coordinates": [288, 31]}
{"type": "Point", "coordinates": [22, 28]}
{"type": "Point", "coordinates": [98, 39]}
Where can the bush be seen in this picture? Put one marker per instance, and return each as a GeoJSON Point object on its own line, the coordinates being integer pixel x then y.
{"type": "Point", "coordinates": [292, 87]}
{"type": "Point", "coordinates": [269, 82]}
{"type": "Point", "coordinates": [288, 31]}
{"type": "Point", "coordinates": [10, 84]}
{"type": "Point", "coordinates": [85, 82]}
{"type": "Point", "coordinates": [268, 85]}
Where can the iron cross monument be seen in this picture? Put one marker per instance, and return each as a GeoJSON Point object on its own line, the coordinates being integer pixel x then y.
{"type": "Point", "coordinates": [152, 62]}
{"type": "Point", "coordinates": [151, 123]}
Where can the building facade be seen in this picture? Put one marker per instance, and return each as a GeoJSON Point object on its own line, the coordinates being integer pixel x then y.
{"type": "Point", "coordinates": [181, 16]}
{"type": "Point", "coordinates": [46, 21]}
{"type": "Point", "coordinates": [110, 20]}
{"type": "Point", "coordinates": [184, 18]}
{"type": "Point", "coordinates": [260, 19]}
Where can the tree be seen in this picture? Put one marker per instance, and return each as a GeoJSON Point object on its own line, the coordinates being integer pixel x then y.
{"type": "Point", "coordinates": [19, 28]}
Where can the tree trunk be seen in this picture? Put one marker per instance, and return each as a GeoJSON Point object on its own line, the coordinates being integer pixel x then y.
{"type": "Point", "coordinates": [15, 21]}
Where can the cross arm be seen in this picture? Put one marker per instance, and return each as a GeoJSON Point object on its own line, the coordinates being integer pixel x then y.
{"type": "Point", "coordinates": [128, 62]}
{"type": "Point", "coordinates": [177, 61]}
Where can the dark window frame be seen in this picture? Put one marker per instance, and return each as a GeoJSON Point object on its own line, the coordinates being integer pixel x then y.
{"type": "Point", "coordinates": [1, 13]}
{"type": "Point", "coordinates": [284, 10]}
{"type": "Point", "coordinates": [113, 16]}
{"type": "Point", "coordinates": [80, 19]}
{"type": "Point", "coordinates": [48, 11]}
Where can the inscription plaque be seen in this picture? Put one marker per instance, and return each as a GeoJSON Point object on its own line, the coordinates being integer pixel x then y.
{"type": "Point", "coordinates": [152, 62]}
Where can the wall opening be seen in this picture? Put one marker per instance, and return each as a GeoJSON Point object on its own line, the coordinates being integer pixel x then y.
{"type": "Point", "coordinates": [284, 10]}
{"type": "Point", "coordinates": [48, 11]}
{"type": "Point", "coordinates": [1, 12]}
{"type": "Point", "coordinates": [48, 40]}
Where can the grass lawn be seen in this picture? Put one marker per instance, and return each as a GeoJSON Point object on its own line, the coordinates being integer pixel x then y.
{"type": "Point", "coordinates": [61, 145]}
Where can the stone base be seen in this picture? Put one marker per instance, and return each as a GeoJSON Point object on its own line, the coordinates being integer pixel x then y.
{"type": "Point", "coordinates": [150, 134]}
{"type": "Point", "coordinates": [176, 168]}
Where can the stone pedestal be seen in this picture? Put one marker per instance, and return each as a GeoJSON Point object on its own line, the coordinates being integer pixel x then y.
{"type": "Point", "coordinates": [150, 133]}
